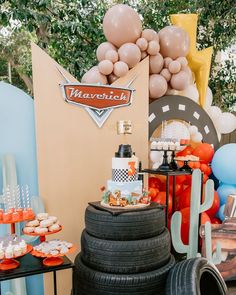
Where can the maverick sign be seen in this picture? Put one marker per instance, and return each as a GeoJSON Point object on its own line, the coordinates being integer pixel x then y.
{"type": "Point", "coordinates": [98, 100]}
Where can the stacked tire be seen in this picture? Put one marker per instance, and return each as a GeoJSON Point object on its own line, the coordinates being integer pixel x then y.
{"type": "Point", "coordinates": [123, 254]}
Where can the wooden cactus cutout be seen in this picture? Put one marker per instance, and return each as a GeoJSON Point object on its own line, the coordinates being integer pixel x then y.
{"type": "Point", "coordinates": [196, 208]}
{"type": "Point", "coordinates": [217, 257]}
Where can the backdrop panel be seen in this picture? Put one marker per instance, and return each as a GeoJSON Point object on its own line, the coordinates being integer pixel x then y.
{"type": "Point", "coordinates": [74, 155]}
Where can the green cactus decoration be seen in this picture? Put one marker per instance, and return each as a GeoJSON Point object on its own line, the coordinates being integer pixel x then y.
{"type": "Point", "coordinates": [196, 208]}
{"type": "Point", "coordinates": [217, 258]}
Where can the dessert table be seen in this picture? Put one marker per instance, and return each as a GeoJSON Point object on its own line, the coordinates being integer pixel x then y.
{"type": "Point", "coordinates": [30, 265]}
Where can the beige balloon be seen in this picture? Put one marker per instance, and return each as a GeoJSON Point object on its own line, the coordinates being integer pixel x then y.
{"type": "Point", "coordinates": [143, 54]}
{"type": "Point", "coordinates": [188, 71]}
{"type": "Point", "coordinates": [157, 86]}
{"type": "Point", "coordinates": [121, 24]}
{"type": "Point", "coordinates": [105, 67]}
{"type": "Point", "coordinates": [102, 50]}
{"type": "Point", "coordinates": [167, 61]}
{"type": "Point", "coordinates": [142, 43]}
{"type": "Point", "coordinates": [153, 47]}
{"type": "Point", "coordinates": [112, 78]}
{"type": "Point", "coordinates": [120, 69]}
{"type": "Point", "coordinates": [166, 74]}
{"type": "Point", "coordinates": [93, 76]}
{"type": "Point", "coordinates": [112, 55]}
{"type": "Point", "coordinates": [149, 34]}
{"type": "Point", "coordinates": [130, 54]}
{"type": "Point", "coordinates": [183, 61]}
{"type": "Point", "coordinates": [174, 42]}
{"type": "Point", "coordinates": [174, 67]}
{"type": "Point", "coordinates": [180, 81]}
{"type": "Point", "coordinates": [156, 63]}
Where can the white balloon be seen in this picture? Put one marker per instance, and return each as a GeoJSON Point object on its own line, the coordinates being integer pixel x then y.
{"type": "Point", "coordinates": [193, 129]}
{"type": "Point", "coordinates": [154, 144]}
{"type": "Point", "coordinates": [156, 165]}
{"type": "Point", "coordinates": [176, 130]}
{"type": "Point", "coordinates": [156, 156]}
{"type": "Point", "coordinates": [214, 112]}
{"type": "Point", "coordinates": [197, 137]}
{"type": "Point", "coordinates": [191, 92]}
{"type": "Point", "coordinates": [219, 136]}
{"type": "Point", "coordinates": [209, 98]}
{"type": "Point", "coordinates": [226, 123]}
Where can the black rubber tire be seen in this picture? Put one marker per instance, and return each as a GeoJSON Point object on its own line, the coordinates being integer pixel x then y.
{"type": "Point", "coordinates": [196, 276]}
{"type": "Point", "coordinates": [126, 226]}
{"type": "Point", "coordinates": [90, 282]}
{"type": "Point", "coordinates": [125, 256]}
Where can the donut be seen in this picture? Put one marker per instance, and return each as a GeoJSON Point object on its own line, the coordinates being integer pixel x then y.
{"type": "Point", "coordinates": [46, 223]}
{"type": "Point", "coordinates": [29, 229]}
{"type": "Point", "coordinates": [53, 218]}
{"type": "Point", "coordinates": [40, 230]}
{"type": "Point", "coordinates": [54, 252]}
{"type": "Point", "coordinates": [32, 223]}
{"type": "Point", "coordinates": [54, 227]}
{"type": "Point", "coordinates": [42, 216]}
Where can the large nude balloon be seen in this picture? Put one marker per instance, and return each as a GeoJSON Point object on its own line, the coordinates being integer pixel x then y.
{"type": "Point", "coordinates": [142, 43]}
{"type": "Point", "coordinates": [112, 78]}
{"type": "Point", "coordinates": [105, 67]}
{"type": "Point", "coordinates": [167, 61]}
{"type": "Point", "coordinates": [174, 42]}
{"type": "Point", "coordinates": [166, 74]}
{"type": "Point", "coordinates": [174, 67]}
{"type": "Point", "coordinates": [149, 35]}
{"type": "Point", "coordinates": [130, 54]}
{"type": "Point", "coordinates": [121, 24]}
{"type": "Point", "coordinates": [93, 76]}
{"type": "Point", "coordinates": [180, 81]}
{"type": "Point", "coordinates": [153, 47]}
{"type": "Point", "coordinates": [156, 63]}
{"type": "Point", "coordinates": [157, 86]}
{"type": "Point", "coordinates": [120, 69]}
{"type": "Point", "coordinates": [102, 50]}
{"type": "Point", "coordinates": [112, 55]}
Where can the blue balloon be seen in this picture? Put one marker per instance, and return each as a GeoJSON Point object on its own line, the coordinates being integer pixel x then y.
{"type": "Point", "coordinates": [224, 163]}
{"type": "Point", "coordinates": [224, 190]}
{"type": "Point", "coordinates": [220, 213]}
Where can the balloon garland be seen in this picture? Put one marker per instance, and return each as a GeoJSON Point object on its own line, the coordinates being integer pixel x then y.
{"type": "Point", "coordinates": [175, 65]}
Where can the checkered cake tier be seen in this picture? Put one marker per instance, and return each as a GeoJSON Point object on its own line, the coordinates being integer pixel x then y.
{"type": "Point", "coordinates": [122, 175]}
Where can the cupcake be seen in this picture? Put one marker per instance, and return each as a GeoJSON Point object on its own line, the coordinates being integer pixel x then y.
{"type": "Point", "coordinates": [23, 246]}
{"type": "Point", "coordinates": [17, 250]}
{"type": "Point", "coordinates": [9, 252]}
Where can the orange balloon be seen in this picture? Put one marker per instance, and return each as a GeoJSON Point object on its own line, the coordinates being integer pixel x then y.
{"type": "Point", "coordinates": [161, 199]}
{"type": "Point", "coordinates": [205, 152]}
{"type": "Point", "coordinates": [154, 182]}
{"type": "Point", "coordinates": [187, 151]}
{"type": "Point", "coordinates": [215, 206]}
{"type": "Point", "coordinates": [186, 222]}
{"type": "Point", "coordinates": [184, 199]}
{"type": "Point", "coordinates": [153, 192]}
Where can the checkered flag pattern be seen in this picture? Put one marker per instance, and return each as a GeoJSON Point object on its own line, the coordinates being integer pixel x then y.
{"type": "Point", "coordinates": [121, 175]}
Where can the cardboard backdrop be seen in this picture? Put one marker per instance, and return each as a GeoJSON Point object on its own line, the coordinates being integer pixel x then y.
{"type": "Point", "coordinates": [74, 155]}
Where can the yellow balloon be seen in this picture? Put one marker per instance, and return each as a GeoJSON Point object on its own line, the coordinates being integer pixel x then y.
{"type": "Point", "coordinates": [199, 61]}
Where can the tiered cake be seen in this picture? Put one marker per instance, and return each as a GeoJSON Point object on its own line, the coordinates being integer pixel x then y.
{"type": "Point", "coordinates": [124, 189]}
